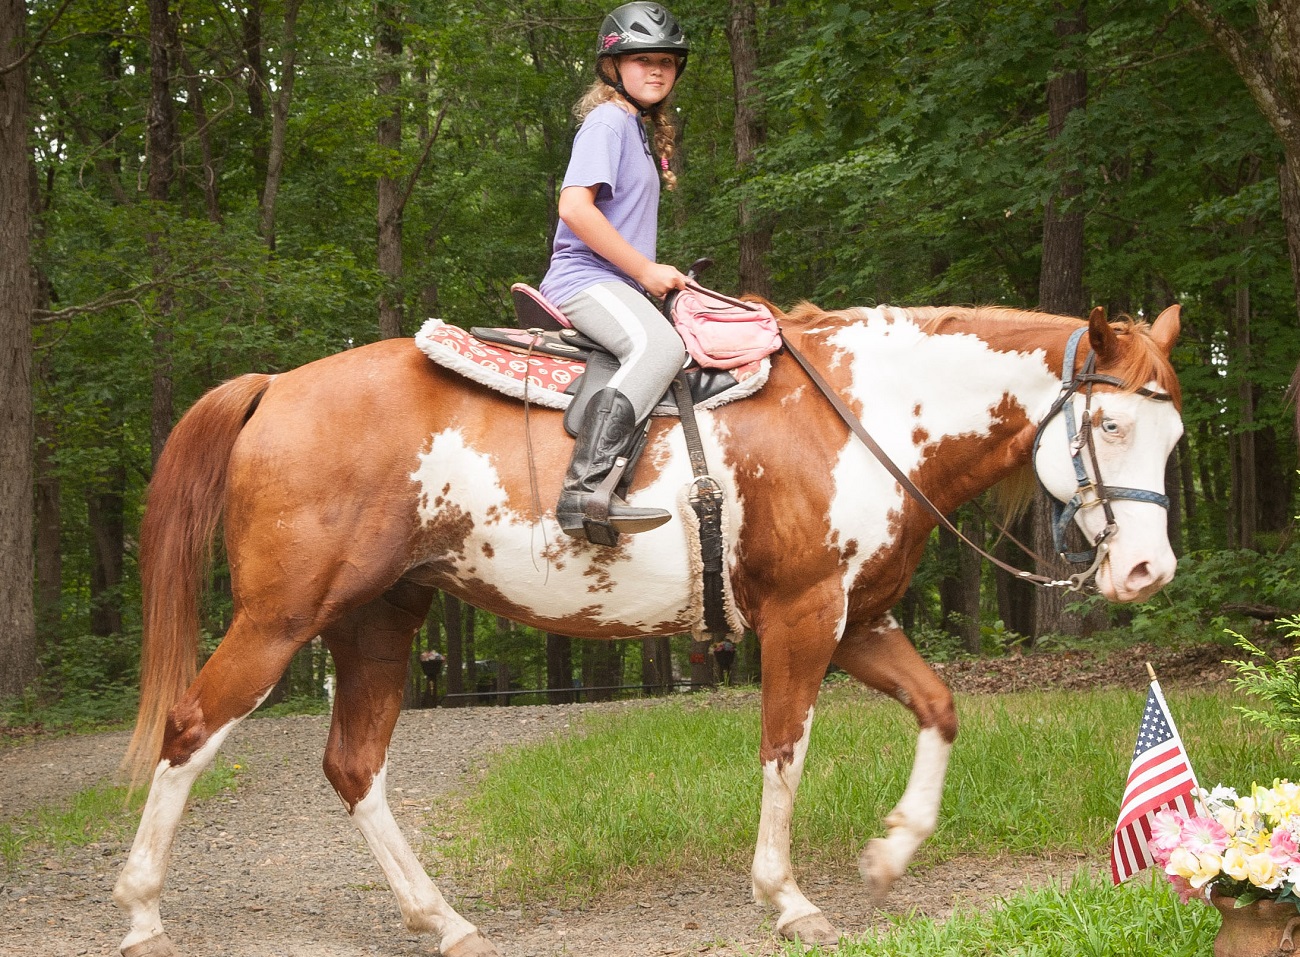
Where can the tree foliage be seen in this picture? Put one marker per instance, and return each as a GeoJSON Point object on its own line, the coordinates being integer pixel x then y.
{"type": "Point", "coordinates": [904, 158]}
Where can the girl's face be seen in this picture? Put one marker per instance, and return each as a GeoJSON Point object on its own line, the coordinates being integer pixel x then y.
{"type": "Point", "coordinates": [648, 77]}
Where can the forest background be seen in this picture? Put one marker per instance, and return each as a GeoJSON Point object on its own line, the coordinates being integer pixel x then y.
{"type": "Point", "coordinates": [194, 189]}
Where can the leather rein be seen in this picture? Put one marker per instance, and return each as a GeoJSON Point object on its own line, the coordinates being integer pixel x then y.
{"type": "Point", "coordinates": [1079, 441]}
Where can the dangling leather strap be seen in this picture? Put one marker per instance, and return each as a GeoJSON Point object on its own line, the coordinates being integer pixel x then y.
{"type": "Point", "coordinates": [706, 499]}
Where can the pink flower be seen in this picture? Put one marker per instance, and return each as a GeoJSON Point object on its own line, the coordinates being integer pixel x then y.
{"type": "Point", "coordinates": [1201, 834]}
{"type": "Point", "coordinates": [1282, 848]}
{"type": "Point", "coordinates": [1183, 888]}
{"type": "Point", "coordinates": [1166, 833]}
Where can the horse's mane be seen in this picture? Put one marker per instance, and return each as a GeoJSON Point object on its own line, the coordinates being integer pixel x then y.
{"type": "Point", "coordinates": [1144, 362]}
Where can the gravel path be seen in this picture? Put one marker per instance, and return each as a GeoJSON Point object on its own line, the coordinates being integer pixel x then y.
{"type": "Point", "coordinates": [278, 870]}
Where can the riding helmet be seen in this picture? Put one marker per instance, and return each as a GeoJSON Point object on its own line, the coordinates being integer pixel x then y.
{"type": "Point", "coordinates": [640, 27]}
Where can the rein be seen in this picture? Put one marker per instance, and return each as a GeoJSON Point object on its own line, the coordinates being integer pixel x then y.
{"type": "Point", "coordinates": [1062, 514]}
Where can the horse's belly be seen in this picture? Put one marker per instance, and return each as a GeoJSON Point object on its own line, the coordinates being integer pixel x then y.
{"type": "Point", "coordinates": [475, 541]}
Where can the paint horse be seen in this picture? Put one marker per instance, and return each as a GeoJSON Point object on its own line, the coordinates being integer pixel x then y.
{"type": "Point", "coordinates": [352, 487]}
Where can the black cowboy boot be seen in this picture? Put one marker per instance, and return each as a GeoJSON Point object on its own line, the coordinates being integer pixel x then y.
{"type": "Point", "coordinates": [588, 507]}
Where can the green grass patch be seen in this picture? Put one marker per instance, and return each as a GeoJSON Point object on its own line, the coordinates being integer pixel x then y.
{"type": "Point", "coordinates": [95, 813]}
{"type": "Point", "coordinates": [676, 787]}
{"type": "Point", "coordinates": [1088, 919]}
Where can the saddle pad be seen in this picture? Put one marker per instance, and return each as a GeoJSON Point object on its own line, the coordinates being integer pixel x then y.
{"type": "Point", "coordinates": [500, 369]}
{"type": "Point", "coordinates": [547, 377]}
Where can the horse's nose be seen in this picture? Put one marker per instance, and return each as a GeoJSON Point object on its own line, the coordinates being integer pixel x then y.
{"type": "Point", "coordinates": [1144, 580]}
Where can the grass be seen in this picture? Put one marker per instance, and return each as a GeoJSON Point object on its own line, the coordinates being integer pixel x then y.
{"type": "Point", "coordinates": [94, 813]}
{"type": "Point", "coordinates": [1087, 919]}
{"type": "Point", "coordinates": [676, 788]}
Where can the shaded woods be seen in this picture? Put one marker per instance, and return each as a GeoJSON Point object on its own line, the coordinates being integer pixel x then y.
{"type": "Point", "coordinates": [189, 191]}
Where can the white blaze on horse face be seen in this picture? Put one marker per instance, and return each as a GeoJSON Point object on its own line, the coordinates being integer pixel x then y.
{"type": "Point", "coordinates": [643, 586]}
{"type": "Point", "coordinates": [910, 384]}
{"type": "Point", "coordinates": [1133, 436]}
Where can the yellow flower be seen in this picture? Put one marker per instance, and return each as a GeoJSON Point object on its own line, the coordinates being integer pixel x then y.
{"type": "Point", "coordinates": [1234, 864]}
{"type": "Point", "coordinates": [1261, 870]}
{"type": "Point", "coordinates": [1197, 869]}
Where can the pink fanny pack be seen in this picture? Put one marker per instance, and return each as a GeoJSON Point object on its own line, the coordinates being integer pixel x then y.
{"type": "Point", "coordinates": [721, 332]}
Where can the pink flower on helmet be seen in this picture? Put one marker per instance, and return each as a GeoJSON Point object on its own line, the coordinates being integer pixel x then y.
{"type": "Point", "coordinates": [1201, 834]}
{"type": "Point", "coordinates": [609, 40]}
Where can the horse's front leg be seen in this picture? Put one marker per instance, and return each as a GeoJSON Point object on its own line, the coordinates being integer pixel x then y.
{"type": "Point", "coordinates": [371, 648]}
{"type": "Point", "coordinates": [884, 658]}
{"type": "Point", "coordinates": [793, 668]}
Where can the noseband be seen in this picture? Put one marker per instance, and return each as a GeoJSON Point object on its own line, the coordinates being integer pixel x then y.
{"type": "Point", "coordinates": [1102, 494]}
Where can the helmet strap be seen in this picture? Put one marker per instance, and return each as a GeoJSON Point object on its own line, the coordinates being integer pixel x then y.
{"type": "Point", "coordinates": [619, 88]}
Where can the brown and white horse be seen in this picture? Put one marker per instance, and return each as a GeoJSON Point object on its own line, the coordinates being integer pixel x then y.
{"type": "Point", "coordinates": [353, 487]}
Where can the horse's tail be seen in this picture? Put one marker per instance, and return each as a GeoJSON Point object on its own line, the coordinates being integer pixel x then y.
{"type": "Point", "coordinates": [186, 499]}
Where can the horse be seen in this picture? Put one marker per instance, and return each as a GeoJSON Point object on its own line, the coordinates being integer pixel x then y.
{"type": "Point", "coordinates": [352, 487]}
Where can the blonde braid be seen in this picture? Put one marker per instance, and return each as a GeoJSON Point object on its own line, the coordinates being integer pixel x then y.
{"type": "Point", "coordinates": [665, 141]}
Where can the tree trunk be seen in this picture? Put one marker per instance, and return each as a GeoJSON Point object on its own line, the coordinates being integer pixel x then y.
{"type": "Point", "coordinates": [471, 654]}
{"type": "Point", "coordinates": [750, 133]}
{"type": "Point", "coordinates": [559, 668]}
{"type": "Point", "coordinates": [970, 567]}
{"type": "Point", "coordinates": [1060, 287]}
{"type": "Point", "coordinates": [453, 623]}
{"type": "Point", "coordinates": [18, 653]}
{"type": "Point", "coordinates": [279, 125]}
{"type": "Point", "coordinates": [161, 126]}
{"type": "Point", "coordinates": [104, 506]}
{"type": "Point", "coordinates": [49, 535]}
{"type": "Point", "coordinates": [701, 665]}
{"type": "Point", "coordinates": [389, 247]}
{"type": "Point", "coordinates": [250, 16]}
{"type": "Point", "coordinates": [1267, 58]}
{"type": "Point", "coordinates": [1245, 486]}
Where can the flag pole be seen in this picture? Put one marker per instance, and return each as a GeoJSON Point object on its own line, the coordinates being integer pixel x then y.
{"type": "Point", "coordinates": [1151, 671]}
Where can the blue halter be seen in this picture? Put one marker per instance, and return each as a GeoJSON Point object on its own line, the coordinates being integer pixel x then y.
{"type": "Point", "coordinates": [1063, 514]}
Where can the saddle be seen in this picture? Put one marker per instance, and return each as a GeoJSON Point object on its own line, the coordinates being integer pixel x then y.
{"type": "Point", "coordinates": [544, 330]}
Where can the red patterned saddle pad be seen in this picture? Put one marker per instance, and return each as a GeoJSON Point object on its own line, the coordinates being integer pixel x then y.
{"type": "Point", "coordinates": [456, 349]}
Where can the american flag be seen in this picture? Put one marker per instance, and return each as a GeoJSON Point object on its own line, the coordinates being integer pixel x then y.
{"type": "Point", "coordinates": [1161, 776]}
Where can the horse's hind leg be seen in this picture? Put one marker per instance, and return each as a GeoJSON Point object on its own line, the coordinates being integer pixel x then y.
{"type": "Point", "coordinates": [234, 681]}
{"type": "Point", "coordinates": [371, 649]}
{"type": "Point", "coordinates": [885, 659]}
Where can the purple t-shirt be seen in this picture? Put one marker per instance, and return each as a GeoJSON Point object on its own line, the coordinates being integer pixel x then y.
{"type": "Point", "coordinates": [610, 150]}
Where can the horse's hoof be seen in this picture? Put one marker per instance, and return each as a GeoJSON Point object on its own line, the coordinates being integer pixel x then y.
{"type": "Point", "coordinates": [474, 945]}
{"type": "Point", "coordinates": [160, 946]}
{"type": "Point", "coordinates": [877, 877]}
{"type": "Point", "coordinates": [811, 929]}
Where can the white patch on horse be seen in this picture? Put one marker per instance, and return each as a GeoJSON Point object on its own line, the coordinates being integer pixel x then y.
{"type": "Point", "coordinates": [140, 884]}
{"type": "Point", "coordinates": [643, 585]}
{"type": "Point", "coordinates": [906, 381]}
{"type": "Point", "coordinates": [423, 907]}
{"type": "Point", "coordinates": [914, 818]}
{"type": "Point", "coordinates": [773, 874]}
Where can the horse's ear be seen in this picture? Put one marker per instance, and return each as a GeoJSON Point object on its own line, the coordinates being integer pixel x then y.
{"type": "Point", "coordinates": [1164, 331]}
{"type": "Point", "coordinates": [1104, 341]}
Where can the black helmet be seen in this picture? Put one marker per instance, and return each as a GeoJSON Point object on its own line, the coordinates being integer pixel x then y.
{"type": "Point", "coordinates": [642, 28]}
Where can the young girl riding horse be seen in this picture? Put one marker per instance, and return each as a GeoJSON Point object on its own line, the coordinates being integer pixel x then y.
{"type": "Point", "coordinates": [603, 266]}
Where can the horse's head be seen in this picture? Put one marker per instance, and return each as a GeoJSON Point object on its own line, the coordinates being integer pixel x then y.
{"type": "Point", "coordinates": [1101, 451]}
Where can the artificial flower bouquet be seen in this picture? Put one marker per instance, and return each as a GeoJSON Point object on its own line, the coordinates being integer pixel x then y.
{"type": "Point", "coordinates": [1247, 847]}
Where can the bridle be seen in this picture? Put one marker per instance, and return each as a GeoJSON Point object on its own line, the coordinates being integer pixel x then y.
{"type": "Point", "coordinates": [1078, 440]}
